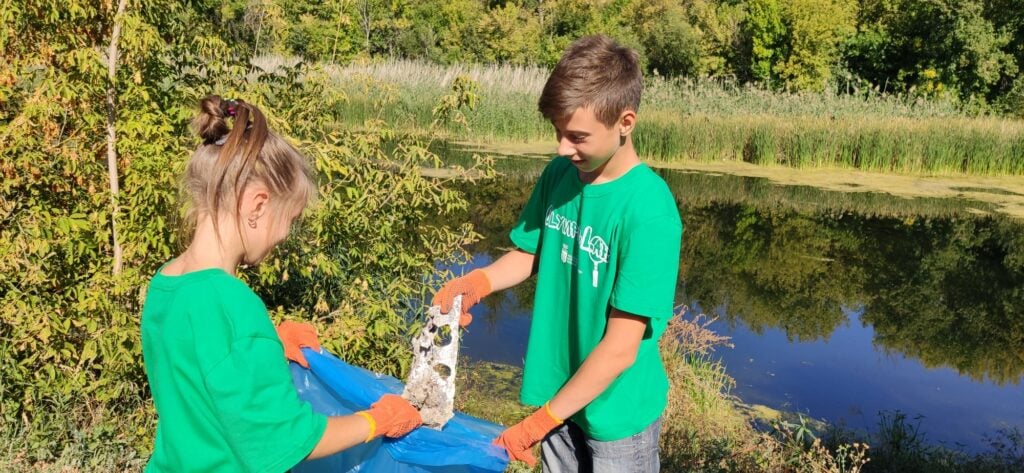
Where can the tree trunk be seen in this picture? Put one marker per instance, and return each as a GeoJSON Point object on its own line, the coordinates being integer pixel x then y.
{"type": "Point", "coordinates": [259, 32]}
{"type": "Point", "coordinates": [337, 31]}
{"type": "Point", "coordinates": [366, 23]}
{"type": "Point", "coordinates": [112, 133]}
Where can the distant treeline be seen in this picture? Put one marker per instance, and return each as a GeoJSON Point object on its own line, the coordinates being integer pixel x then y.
{"type": "Point", "coordinates": [966, 51]}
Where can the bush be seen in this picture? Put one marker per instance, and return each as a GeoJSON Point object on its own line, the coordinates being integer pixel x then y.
{"type": "Point", "coordinates": [70, 352]}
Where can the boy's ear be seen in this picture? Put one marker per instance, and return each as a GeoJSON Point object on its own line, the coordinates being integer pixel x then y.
{"type": "Point", "coordinates": [627, 121]}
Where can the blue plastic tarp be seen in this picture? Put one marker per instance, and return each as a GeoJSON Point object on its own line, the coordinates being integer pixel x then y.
{"type": "Point", "coordinates": [334, 387]}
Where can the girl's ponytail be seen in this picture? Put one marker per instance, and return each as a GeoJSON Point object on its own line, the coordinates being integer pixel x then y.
{"type": "Point", "coordinates": [238, 148]}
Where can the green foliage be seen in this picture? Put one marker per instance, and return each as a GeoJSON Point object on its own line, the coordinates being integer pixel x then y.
{"type": "Point", "coordinates": [511, 35]}
{"type": "Point", "coordinates": [933, 48]}
{"type": "Point", "coordinates": [815, 29]}
{"type": "Point", "coordinates": [668, 37]}
{"type": "Point", "coordinates": [69, 343]}
{"type": "Point", "coordinates": [765, 30]}
{"type": "Point", "coordinates": [69, 328]}
{"type": "Point", "coordinates": [719, 25]}
{"type": "Point", "coordinates": [967, 51]}
{"type": "Point", "coordinates": [1013, 102]}
{"type": "Point", "coordinates": [449, 110]}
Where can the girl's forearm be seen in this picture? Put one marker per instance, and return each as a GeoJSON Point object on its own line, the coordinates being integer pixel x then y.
{"type": "Point", "coordinates": [342, 432]}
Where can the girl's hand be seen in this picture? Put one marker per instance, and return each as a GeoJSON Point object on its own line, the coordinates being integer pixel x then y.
{"type": "Point", "coordinates": [391, 416]}
{"type": "Point", "coordinates": [294, 336]}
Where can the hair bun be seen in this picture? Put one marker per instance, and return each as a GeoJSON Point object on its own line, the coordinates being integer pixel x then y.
{"type": "Point", "coordinates": [211, 123]}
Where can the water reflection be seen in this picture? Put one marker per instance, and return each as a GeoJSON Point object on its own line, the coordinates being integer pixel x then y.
{"type": "Point", "coordinates": [942, 290]}
{"type": "Point", "coordinates": [936, 281]}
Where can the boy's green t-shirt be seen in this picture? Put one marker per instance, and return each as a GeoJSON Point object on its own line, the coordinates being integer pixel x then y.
{"type": "Point", "coordinates": [221, 385]}
{"type": "Point", "coordinates": [614, 244]}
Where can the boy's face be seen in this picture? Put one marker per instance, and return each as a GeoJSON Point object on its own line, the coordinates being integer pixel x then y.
{"type": "Point", "coordinates": [586, 141]}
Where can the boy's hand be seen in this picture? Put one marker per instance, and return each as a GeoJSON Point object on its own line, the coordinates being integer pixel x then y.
{"type": "Point", "coordinates": [294, 336]}
{"type": "Point", "coordinates": [391, 416]}
{"type": "Point", "coordinates": [473, 287]}
{"type": "Point", "coordinates": [520, 438]}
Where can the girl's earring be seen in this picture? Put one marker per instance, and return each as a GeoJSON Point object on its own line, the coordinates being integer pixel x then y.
{"type": "Point", "coordinates": [252, 221]}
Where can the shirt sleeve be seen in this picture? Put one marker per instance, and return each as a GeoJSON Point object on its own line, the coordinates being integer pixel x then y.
{"type": "Point", "coordinates": [264, 421]}
{"type": "Point", "coordinates": [648, 268]}
{"type": "Point", "coordinates": [526, 234]}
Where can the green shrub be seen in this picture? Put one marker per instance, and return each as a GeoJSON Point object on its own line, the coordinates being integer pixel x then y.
{"type": "Point", "coordinates": [70, 357]}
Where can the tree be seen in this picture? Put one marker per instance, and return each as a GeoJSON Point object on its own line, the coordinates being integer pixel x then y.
{"type": "Point", "coordinates": [265, 19]}
{"type": "Point", "coordinates": [670, 43]}
{"type": "Point", "coordinates": [765, 31]}
{"type": "Point", "coordinates": [719, 29]}
{"type": "Point", "coordinates": [938, 48]}
{"type": "Point", "coordinates": [815, 29]}
{"type": "Point", "coordinates": [112, 132]}
{"type": "Point", "coordinates": [510, 33]}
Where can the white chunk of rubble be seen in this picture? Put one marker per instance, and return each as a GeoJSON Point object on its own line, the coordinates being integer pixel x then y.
{"type": "Point", "coordinates": [431, 382]}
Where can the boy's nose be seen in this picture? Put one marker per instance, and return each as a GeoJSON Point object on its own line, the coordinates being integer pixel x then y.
{"type": "Point", "coordinates": [566, 148]}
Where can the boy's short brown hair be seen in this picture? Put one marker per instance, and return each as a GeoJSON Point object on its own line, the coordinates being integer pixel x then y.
{"type": "Point", "coordinates": [593, 71]}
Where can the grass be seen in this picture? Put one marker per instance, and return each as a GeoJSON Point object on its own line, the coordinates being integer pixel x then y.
{"type": "Point", "coordinates": [490, 391]}
{"type": "Point", "coordinates": [703, 120]}
{"type": "Point", "coordinates": [99, 448]}
{"type": "Point", "coordinates": [900, 447]}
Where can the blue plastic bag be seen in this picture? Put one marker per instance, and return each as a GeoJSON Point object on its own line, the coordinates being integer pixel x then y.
{"type": "Point", "coordinates": [334, 387]}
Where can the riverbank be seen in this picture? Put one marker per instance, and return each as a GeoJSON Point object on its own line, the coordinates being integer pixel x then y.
{"type": "Point", "coordinates": [1002, 194]}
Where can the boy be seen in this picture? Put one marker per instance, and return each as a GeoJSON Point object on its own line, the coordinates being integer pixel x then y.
{"type": "Point", "coordinates": [602, 232]}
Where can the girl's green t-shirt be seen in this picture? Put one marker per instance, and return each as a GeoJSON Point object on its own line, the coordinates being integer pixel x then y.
{"type": "Point", "coordinates": [614, 244]}
{"type": "Point", "coordinates": [221, 385]}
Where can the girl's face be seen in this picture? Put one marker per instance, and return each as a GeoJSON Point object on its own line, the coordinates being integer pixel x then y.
{"type": "Point", "coordinates": [265, 223]}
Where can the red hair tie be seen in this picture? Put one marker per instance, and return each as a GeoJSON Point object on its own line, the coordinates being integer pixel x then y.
{"type": "Point", "coordinates": [231, 108]}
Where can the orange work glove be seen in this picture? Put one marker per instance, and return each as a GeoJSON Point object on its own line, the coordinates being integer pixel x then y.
{"type": "Point", "coordinates": [519, 438]}
{"type": "Point", "coordinates": [391, 416]}
{"type": "Point", "coordinates": [295, 335]}
{"type": "Point", "coordinates": [473, 287]}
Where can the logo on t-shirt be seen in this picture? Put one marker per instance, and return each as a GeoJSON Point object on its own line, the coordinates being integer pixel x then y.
{"type": "Point", "coordinates": [593, 245]}
{"type": "Point", "coordinates": [566, 256]}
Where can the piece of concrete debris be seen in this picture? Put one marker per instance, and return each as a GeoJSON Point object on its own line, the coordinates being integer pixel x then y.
{"type": "Point", "coordinates": [431, 382]}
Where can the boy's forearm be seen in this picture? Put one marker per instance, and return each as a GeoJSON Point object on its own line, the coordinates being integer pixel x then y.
{"type": "Point", "coordinates": [614, 354]}
{"type": "Point", "coordinates": [509, 270]}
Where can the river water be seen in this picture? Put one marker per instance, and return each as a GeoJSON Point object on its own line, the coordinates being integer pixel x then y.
{"type": "Point", "coordinates": [840, 305]}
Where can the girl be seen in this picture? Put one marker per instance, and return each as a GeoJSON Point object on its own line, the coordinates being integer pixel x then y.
{"type": "Point", "coordinates": [216, 367]}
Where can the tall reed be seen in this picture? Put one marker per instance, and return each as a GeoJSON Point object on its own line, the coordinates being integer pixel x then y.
{"type": "Point", "coordinates": [707, 121]}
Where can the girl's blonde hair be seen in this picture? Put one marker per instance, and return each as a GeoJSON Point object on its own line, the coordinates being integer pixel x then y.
{"type": "Point", "coordinates": [238, 149]}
